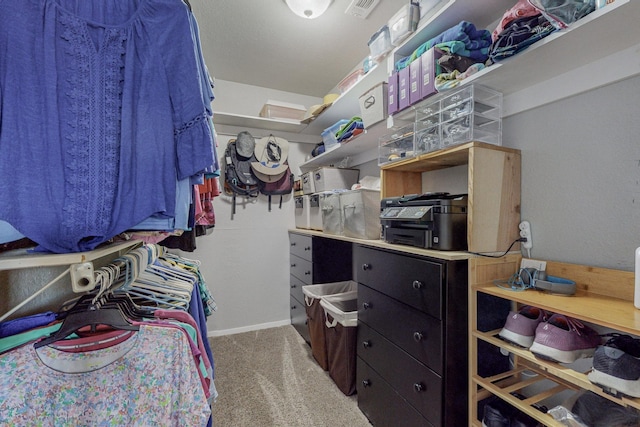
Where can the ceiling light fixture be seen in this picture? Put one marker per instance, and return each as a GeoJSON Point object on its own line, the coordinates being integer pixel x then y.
{"type": "Point", "coordinates": [309, 9]}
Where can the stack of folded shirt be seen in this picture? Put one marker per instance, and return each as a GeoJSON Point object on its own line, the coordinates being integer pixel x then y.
{"type": "Point", "coordinates": [353, 128]}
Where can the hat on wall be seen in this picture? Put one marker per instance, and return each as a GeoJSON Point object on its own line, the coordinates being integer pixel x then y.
{"type": "Point", "coordinates": [245, 144]}
{"type": "Point", "coordinates": [271, 154]}
{"type": "Point", "coordinates": [315, 110]}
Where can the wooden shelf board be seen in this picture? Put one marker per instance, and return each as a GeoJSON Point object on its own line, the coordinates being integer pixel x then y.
{"type": "Point", "coordinates": [606, 311]}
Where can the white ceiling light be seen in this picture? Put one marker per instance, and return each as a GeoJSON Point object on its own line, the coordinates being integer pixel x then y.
{"type": "Point", "coordinates": [308, 8]}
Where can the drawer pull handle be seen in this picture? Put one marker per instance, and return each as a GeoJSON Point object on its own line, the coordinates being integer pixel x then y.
{"type": "Point", "coordinates": [366, 267]}
{"type": "Point", "coordinates": [418, 387]}
{"type": "Point", "coordinates": [293, 243]}
{"type": "Point", "coordinates": [307, 248]}
{"type": "Point", "coordinates": [417, 284]}
{"type": "Point", "coordinates": [366, 305]}
{"type": "Point", "coordinates": [307, 273]}
{"type": "Point", "coordinates": [293, 286]}
{"type": "Point", "coordinates": [293, 265]}
{"type": "Point", "coordinates": [293, 307]}
{"type": "Point", "coordinates": [418, 336]}
{"type": "Point", "coordinates": [366, 383]}
{"type": "Point", "coordinates": [366, 344]}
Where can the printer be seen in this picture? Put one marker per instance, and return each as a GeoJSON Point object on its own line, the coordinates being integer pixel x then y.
{"type": "Point", "coordinates": [430, 220]}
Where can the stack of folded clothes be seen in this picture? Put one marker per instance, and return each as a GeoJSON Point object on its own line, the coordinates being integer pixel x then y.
{"type": "Point", "coordinates": [350, 130]}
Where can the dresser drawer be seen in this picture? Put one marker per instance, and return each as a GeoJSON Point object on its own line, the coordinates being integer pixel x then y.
{"type": "Point", "coordinates": [301, 268]}
{"type": "Point", "coordinates": [299, 318]}
{"type": "Point", "coordinates": [296, 288]}
{"type": "Point", "coordinates": [301, 246]}
{"type": "Point", "coordinates": [381, 404]}
{"type": "Point", "coordinates": [417, 333]}
{"type": "Point", "coordinates": [413, 281]}
{"type": "Point", "coordinates": [416, 383]}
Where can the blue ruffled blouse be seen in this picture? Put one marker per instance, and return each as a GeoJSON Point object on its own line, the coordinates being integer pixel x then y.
{"type": "Point", "coordinates": [101, 112]}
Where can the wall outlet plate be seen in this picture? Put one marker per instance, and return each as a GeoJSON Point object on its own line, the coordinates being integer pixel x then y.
{"type": "Point", "coordinates": [533, 263]}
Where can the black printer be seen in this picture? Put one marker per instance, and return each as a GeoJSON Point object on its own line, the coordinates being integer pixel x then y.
{"type": "Point", "coordinates": [429, 220]}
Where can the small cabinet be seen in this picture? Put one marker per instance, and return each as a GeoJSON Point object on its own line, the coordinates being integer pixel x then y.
{"type": "Point", "coordinates": [493, 186]}
{"type": "Point", "coordinates": [412, 338]}
{"type": "Point", "coordinates": [314, 259]}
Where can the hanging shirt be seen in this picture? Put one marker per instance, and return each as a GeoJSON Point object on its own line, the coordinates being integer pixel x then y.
{"type": "Point", "coordinates": [148, 380]}
{"type": "Point", "coordinates": [101, 112]}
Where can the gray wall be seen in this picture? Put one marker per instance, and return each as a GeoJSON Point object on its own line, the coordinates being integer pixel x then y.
{"type": "Point", "coordinates": [581, 175]}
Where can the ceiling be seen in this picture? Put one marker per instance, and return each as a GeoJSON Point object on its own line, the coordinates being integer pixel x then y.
{"type": "Point", "coordinates": [262, 43]}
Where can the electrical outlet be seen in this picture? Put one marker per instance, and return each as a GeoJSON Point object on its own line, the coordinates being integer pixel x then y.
{"type": "Point", "coordinates": [533, 263]}
{"type": "Point", "coordinates": [525, 231]}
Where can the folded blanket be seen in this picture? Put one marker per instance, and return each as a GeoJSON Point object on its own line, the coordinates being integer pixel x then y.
{"type": "Point", "coordinates": [474, 42]}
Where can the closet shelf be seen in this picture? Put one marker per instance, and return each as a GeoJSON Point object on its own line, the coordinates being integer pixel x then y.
{"type": "Point", "coordinates": [279, 125]}
{"type": "Point", "coordinates": [614, 313]}
{"type": "Point", "coordinates": [22, 258]}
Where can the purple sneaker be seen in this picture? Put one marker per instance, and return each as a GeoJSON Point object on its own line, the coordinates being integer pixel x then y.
{"type": "Point", "coordinates": [563, 339]}
{"type": "Point", "coordinates": [520, 327]}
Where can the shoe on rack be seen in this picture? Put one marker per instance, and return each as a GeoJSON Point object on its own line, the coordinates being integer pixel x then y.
{"type": "Point", "coordinates": [616, 366]}
{"type": "Point", "coordinates": [498, 413]}
{"type": "Point", "coordinates": [563, 339]}
{"type": "Point", "coordinates": [597, 411]}
{"type": "Point", "coordinates": [520, 327]}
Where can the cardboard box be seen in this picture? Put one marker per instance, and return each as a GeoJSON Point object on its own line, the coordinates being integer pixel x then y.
{"type": "Point", "coordinates": [373, 105]}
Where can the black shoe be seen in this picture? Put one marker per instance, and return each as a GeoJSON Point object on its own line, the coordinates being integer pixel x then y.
{"type": "Point", "coordinates": [616, 366]}
{"type": "Point", "coordinates": [596, 411]}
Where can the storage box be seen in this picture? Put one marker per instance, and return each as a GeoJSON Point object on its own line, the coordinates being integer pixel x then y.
{"type": "Point", "coordinates": [331, 214]}
{"type": "Point", "coordinates": [403, 88]}
{"type": "Point", "coordinates": [313, 294]}
{"type": "Point", "coordinates": [471, 113]}
{"type": "Point", "coordinates": [361, 213]}
{"type": "Point", "coordinates": [283, 110]}
{"type": "Point", "coordinates": [392, 104]}
{"type": "Point", "coordinates": [346, 83]}
{"type": "Point", "coordinates": [397, 145]}
{"type": "Point", "coordinates": [380, 43]}
{"type": "Point", "coordinates": [373, 105]}
{"type": "Point", "coordinates": [415, 81]}
{"type": "Point", "coordinates": [302, 212]}
{"type": "Point", "coordinates": [341, 321]}
{"type": "Point", "coordinates": [329, 134]}
{"type": "Point", "coordinates": [429, 69]}
{"type": "Point", "coordinates": [327, 179]}
{"type": "Point", "coordinates": [315, 214]}
{"type": "Point", "coordinates": [307, 183]}
{"type": "Point", "coordinates": [403, 23]}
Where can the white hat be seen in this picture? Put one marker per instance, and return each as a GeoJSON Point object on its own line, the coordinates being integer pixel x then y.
{"type": "Point", "coordinates": [271, 154]}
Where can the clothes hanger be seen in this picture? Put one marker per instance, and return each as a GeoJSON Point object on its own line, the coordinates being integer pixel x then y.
{"type": "Point", "coordinates": [89, 317]}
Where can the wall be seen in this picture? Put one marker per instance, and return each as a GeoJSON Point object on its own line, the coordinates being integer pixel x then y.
{"type": "Point", "coordinates": [581, 175]}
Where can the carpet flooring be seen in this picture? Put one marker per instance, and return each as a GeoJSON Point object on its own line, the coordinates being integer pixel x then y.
{"type": "Point", "coordinates": [269, 378]}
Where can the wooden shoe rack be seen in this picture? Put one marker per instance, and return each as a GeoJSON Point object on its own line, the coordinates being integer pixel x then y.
{"type": "Point", "coordinates": [604, 299]}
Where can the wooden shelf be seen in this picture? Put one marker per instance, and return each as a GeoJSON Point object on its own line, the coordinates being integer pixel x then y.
{"type": "Point", "coordinates": [493, 189]}
{"type": "Point", "coordinates": [604, 297]}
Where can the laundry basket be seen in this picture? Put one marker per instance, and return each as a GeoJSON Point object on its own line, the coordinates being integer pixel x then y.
{"type": "Point", "coordinates": [341, 321]}
{"type": "Point", "coordinates": [315, 315]}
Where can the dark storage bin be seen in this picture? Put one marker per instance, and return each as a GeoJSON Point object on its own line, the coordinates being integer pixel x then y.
{"type": "Point", "coordinates": [316, 317]}
{"type": "Point", "coordinates": [341, 321]}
